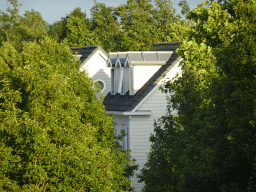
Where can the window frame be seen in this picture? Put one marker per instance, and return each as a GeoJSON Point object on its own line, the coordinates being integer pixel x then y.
{"type": "Point", "coordinates": [103, 82]}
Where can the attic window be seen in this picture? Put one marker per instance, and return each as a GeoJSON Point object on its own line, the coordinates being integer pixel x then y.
{"type": "Point", "coordinates": [99, 84]}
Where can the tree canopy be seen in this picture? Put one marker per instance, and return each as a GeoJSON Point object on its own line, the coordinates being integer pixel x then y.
{"type": "Point", "coordinates": [55, 135]}
{"type": "Point", "coordinates": [209, 144]}
{"type": "Point", "coordinates": [15, 28]}
{"type": "Point", "coordinates": [136, 25]}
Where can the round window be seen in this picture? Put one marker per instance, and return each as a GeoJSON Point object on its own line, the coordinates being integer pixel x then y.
{"type": "Point", "coordinates": [99, 84]}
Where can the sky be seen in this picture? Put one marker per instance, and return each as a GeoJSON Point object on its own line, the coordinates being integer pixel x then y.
{"type": "Point", "coordinates": [53, 10]}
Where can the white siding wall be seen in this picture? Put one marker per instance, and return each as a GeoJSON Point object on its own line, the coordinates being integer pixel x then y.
{"type": "Point", "coordinates": [142, 126]}
{"type": "Point", "coordinates": [142, 74]}
{"type": "Point", "coordinates": [97, 70]}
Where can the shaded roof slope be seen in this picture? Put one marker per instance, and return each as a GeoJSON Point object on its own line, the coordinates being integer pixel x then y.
{"type": "Point", "coordinates": [87, 52]}
{"type": "Point", "coordinates": [128, 102]}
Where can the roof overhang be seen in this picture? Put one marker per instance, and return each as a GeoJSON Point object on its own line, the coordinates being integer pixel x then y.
{"type": "Point", "coordinates": [147, 63]}
{"type": "Point", "coordinates": [142, 58]}
{"type": "Point", "coordinates": [138, 112]}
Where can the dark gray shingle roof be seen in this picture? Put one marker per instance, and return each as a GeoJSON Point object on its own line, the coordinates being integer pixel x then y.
{"type": "Point", "coordinates": [128, 102]}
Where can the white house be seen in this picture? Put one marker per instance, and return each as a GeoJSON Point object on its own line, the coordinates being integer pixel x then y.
{"type": "Point", "coordinates": [135, 99]}
{"type": "Point", "coordinates": [93, 60]}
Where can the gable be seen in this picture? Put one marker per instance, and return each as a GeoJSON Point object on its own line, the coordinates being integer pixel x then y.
{"type": "Point", "coordinates": [93, 61]}
{"type": "Point", "coordinates": [155, 97]}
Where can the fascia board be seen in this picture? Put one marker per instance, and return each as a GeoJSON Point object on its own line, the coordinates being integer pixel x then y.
{"type": "Point", "coordinates": [88, 59]}
{"type": "Point", "coordinates": [148, 62]}
{"type": "Point", "coordinates": [92, 55]}
{"type": "Point", "coordinates": [109, 64]}
{"type": "Point", "coordinates": [141, 113]}
{"type": "Point", "coordinates": [150, 93]}
{"type": "Point", "coordinates": [146, 97]}
{"type": "Point", "coordinates": [118, 62]}
{"type": "Point", "coordinates": [164, 51]}
{"type": "Point", "coordinates": [102, 55]}
{"type": "Point", "coordinates": [127, 62]}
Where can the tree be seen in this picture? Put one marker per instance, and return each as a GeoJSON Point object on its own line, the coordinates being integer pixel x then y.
{"type": "Point", "coordinates": [209, 145]}
{"type": "Point", "coordinates": [78, 33]}
{"type": "Point", "coordinates": [32, 26]}
{"type": "Point", "coordinates": [74, 30]}
{"type": "Point", "coordinates": [134, 26]}
{"type": "Point", "coordinates": [145, 22]}
{"type": "Point", "coordinates": [8, 24]}
{"type": "Point", "coordinates": [55, 135]}
{"type": "Point", "coordinates": [57, 30]}
{"type": "Point", "coordinates": [185, 7]}
{"type": "Point", "coordinates": [15, 28]}
{"type": "Point", "coordinates": [107, 27]}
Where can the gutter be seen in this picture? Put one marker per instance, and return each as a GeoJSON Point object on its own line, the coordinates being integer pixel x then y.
{"type": "Point", "coordinates": [138, 112]}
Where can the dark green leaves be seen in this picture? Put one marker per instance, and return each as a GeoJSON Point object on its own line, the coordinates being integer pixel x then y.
{"type": "Point", "coordinates": [211, 145]}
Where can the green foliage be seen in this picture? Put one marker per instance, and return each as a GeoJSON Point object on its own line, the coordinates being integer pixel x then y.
{"type": "Point", "coordinates": [15, 28]}
{"type": "Point", "coordinates": [209, 145]}
{"type": "Point", "coordinates": [106, 26]}
{"type": "Point", "coordinates": [78, 33]}
{"type": "Point", "coordinates": [33, 27]}
{"type": "Point", "coordinates": [73, 29]}
{"type": "Point", "coordinates": [54, 134]}
{"type": "Point", "coordinates": [147, 22]}
{"type": "Point", "coordinates": [185, 7]}
{"type": "Point", "coordinates": [136, 25]}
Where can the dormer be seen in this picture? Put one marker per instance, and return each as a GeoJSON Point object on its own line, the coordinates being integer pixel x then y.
{"type": "Point", "coordinates": [131, 70]}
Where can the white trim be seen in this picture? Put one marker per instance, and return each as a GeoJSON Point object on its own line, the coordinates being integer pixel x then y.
{"type": "Point", "coordinates": [131, 80]}
{"type": "Point", "coordinates": [120, 80]}
{"type": "Point", "coordinates": [103, 55]}
{"type": "Point", "coordinates": [104, 84]}
{"type": "Point", "coordinates": [130, 133]}
{"type": "Point", "coordinates": [108, 63]}
{"type": "Point", "coordinates": [127, 62]}
{"type": "Point", "coordinates": [118, 62]}
{"type": "Point", "coordinates": [148, 63]}
{"type": "Point", "coordinates": [146, 97]}
{"type": "Point", "coordinates": [139, 112]}
{"type": "Point", "coordinates": [112, 79]}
